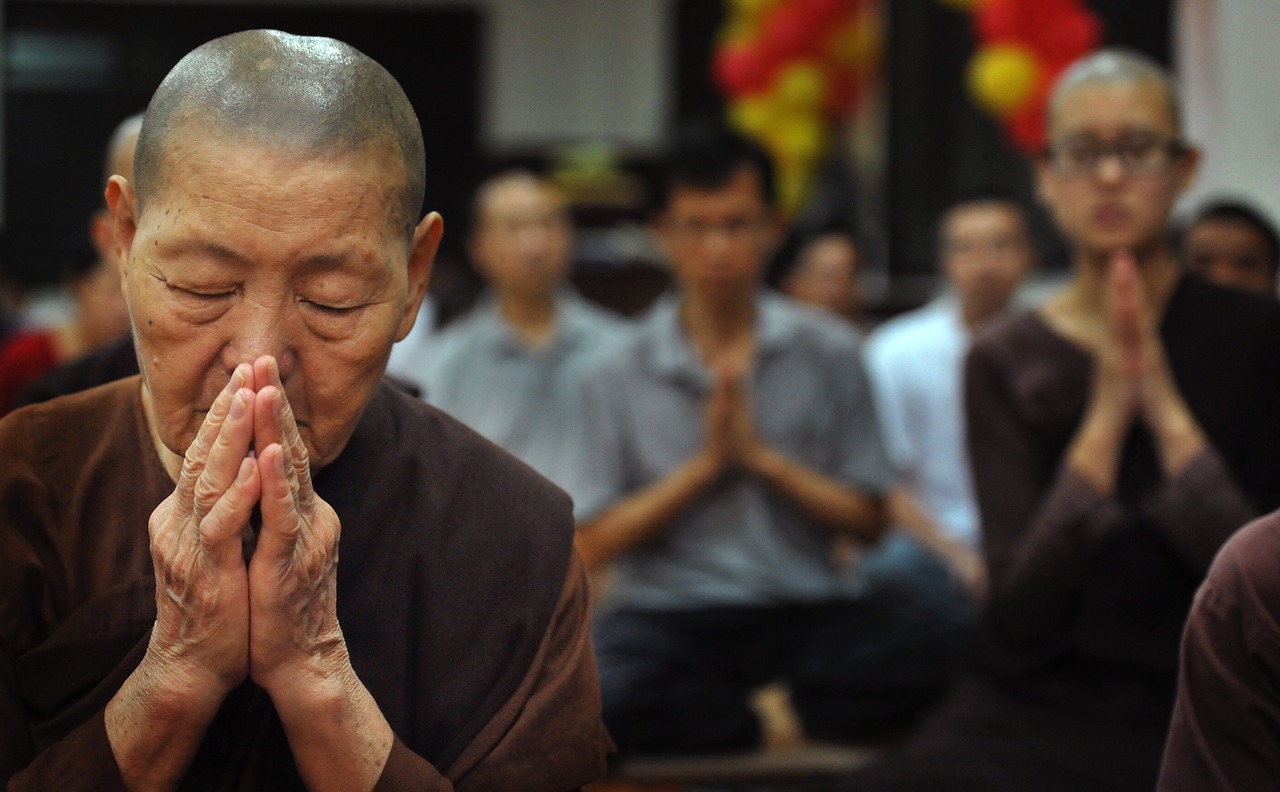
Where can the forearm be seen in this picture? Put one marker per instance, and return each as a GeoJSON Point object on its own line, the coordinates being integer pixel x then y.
{"type": "Point", "coordinates": [644, 515]}
{"type": "Point", "coordinates": [905, 512]}
{"type": "Point", "coordinates": [156, 721]}
{"type": "Point", "coordinates": [837, 507]}
{"type": "Point", "coordinates": [338, 735]}
{"type": "Point", "coordinates": [1179, 438]}
{"type": "Point", "coordinates": [1094, 452]}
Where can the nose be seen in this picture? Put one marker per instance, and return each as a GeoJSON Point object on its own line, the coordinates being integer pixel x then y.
{"type": "Point", "coordinates": [258, 329]}
{"type": "Point", "coordinates": [1110, 168]}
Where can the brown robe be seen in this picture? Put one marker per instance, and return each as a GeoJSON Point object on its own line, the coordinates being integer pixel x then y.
{"type": "Point", "coordinates": [464, 609]}
{"type": "Point", "coordinates": [1226, 724]}
{"type": "Point", "coordinates": [1078, 666]}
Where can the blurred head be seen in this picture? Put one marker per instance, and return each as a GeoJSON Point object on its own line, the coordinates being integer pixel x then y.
{"type": "Point", "coordinates": [1234, 245]}
{"type": "Point", "coordinates": [984, 251]}
{"type": "Point", "coordinates": [718, 221]}
{"type": "Point", "coordinates": [1116, 161]}
{"type": "Point", "coordinates": [521, 235]}
{"type": "Point", "coordinates": [825, 274]}
{"type": "Point", "coordinates": [100, 308]}
{"type": "Point", "coordinates": [273, 212]}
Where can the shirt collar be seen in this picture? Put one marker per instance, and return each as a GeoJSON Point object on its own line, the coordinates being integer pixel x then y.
{"type": "Point", "coordinates": [568, 331]}
{"type": "Point", "coordinates": [673, 357]}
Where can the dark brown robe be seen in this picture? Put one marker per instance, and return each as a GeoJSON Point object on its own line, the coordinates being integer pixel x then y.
{"type": "Point", "coordinates": [464, 609]}
{"type": "Point", "coordinates": [1226, 724]}
{"type": "Point", "coordinates": [1076, 679]}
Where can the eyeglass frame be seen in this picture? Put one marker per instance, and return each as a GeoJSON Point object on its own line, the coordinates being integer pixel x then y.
{"type": "Point", "coordinates": [1173, 148]}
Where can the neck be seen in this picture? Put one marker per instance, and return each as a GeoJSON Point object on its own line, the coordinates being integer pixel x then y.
{"type": "Point", "coordinates": [721, 329]}
{"type": "Point", "coordinates": [532, 316]}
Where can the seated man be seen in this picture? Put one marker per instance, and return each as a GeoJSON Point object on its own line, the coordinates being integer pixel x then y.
{"type": "Point", "coordinates": [510, 369]}
{"type": "Point", "coordinates": [916, 363]}
{"type": "Point", "coordinates": [172, 612]}
{"type": "Point", "coordinates": [733, 442]}
{"type": "Point", "coordinates": [1232, 244]}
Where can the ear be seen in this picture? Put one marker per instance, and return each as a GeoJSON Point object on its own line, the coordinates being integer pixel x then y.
{"type": "Point", "coordinates": [422, 253]}
{"type": "Point", "coordinates": [102, 235]}
{"type": "Point", "coordinates": [1189, 168]}
{"type": "Point", "coordinates": [122, 204]}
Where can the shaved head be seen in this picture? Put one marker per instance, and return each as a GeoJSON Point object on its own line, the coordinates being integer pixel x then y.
{"type": "Point", "coordinates": [274, 89]}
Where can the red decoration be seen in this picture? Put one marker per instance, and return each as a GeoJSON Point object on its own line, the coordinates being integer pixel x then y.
{"type": "Point", "coordinates": [1058, 32]}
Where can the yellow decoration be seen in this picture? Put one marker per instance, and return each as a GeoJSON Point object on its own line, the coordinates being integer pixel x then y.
{"type": "Point", "coordinates": [802, 86]}
{"type": "Point", "coordinates": [752, 115]}
{"type": "Point", "coordinates": [797, 138]}
{"type": "Point", "coordinates": [1003, 78]}
{"type": "Point", "coordinates": [962, 5]}
{"type": "Point", "coordinates": [751, 9]}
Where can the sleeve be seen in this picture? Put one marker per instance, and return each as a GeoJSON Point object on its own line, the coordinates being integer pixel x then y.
{"type": "Point", "coordinates": [863, 461]}
{"type": "Point", "coordinates": [549, 737]}
{"type": "Point", "coordinates": [596, 479]}
{"type": "Point", "coordinates": [1199, 509]}
{"type": "Point", "coordinates": [82, 760]}
{"type": "Point", "coordinates": [1225, 733]}
{"type": "Point", "coordinates": [1041, 523]}
{"type": "Point", "coordinates": [884, 370]}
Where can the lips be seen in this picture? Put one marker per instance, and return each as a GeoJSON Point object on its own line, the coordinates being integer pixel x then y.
{"type": "Point", "coordinates": [1111, 216]}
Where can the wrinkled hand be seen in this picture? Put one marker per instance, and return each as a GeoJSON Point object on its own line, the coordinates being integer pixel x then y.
{"type": "Point", "coordinates": [294, 630]}
{"type": "Point", "coordinates": [202, 592]}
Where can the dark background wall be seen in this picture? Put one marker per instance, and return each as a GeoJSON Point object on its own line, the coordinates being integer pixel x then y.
{"type": "Point", "coordinates": [77, 69]}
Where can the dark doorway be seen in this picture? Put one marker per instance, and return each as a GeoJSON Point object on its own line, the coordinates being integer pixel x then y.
{"type": "Point", "coordinates": [74, 70]}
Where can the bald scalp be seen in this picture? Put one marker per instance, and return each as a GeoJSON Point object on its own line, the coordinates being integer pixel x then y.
{"type": "Point", "coordinates": [265, 87]}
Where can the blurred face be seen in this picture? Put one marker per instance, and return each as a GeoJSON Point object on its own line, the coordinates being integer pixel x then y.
{"type": "Point", "coordinates": [250, 251]}
{"type": "Point", "coordinates": [1232, 254]}
{"type": "Point", "coordinates": [522, 238]}
{"type": "Point", "coordinates": [985, 254]}
{"type": "Point", "coordinates": [1115, 168]}
{"type": "Point", "coordinates": [826, 275]}
{"type": "Point", "coordinates": [100, 303]}
{"type": "Point", "coordinates": [719, 240]}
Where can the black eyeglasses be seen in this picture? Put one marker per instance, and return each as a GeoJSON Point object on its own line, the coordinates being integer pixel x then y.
{"type": "Point", "coordinates": [1140, 155]}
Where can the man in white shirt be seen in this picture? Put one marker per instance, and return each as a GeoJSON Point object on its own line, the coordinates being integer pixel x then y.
{"type": "Point", "coordinates": [916, 363]}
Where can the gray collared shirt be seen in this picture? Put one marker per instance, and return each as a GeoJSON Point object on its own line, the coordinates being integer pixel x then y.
{"type": "Point", "coordinates": [522, 399]}
{"type": "Point", "coordinates": [741, 543]}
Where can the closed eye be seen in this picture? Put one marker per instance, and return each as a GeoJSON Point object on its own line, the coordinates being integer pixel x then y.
{"type": "Point", "coordinates": [332, 310]}
{"type": "Point", "coordinates": [203, 295]}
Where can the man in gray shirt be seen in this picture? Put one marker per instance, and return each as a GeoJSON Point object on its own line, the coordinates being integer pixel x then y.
{"type": "Point", "coordinates": [510, 368]}
{"type": "Point", "coordinates": [733, 446]}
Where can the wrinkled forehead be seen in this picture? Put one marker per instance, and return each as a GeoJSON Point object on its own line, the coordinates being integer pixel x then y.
{"type": "Point", "coordinates": [199, 163]}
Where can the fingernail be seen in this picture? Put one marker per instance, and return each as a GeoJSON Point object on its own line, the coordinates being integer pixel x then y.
{"type": "Point", "coordinates": [237, 407]}
{"type": "Point", "coordinates": [245, 468]}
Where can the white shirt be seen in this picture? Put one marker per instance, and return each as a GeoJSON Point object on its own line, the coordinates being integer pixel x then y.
{"type": "Point", "coordinates": [916, 364]}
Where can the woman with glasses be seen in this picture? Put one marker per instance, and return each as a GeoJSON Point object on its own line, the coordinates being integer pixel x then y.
{"type": "Point", "coordinates": [1119, 434]}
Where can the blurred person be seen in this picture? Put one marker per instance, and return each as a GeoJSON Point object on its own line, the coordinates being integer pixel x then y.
{"type": "Point", "coordinates": [916, 363]}
{"type": "Point", "coordinates": [1232, 244]}
{"type": "Point", "coordinates": [100, 317]}
{"type": "Point", "coordinates": [510, 368]}
{"type": "Point", "coordinates": [825, 273]}
{"type": "Point", "coordinates": [1119, 434]}
{"type": "Point", "coordinates": [732, 441]}
{"type": "Point", "coordinates": [172, 610]}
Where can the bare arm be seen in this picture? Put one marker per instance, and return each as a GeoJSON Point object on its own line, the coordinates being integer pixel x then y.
{"type": "Point", "coordinates": [842, 509]}
{"type": "Point", "coordinates": [642, 516]}
{"type": "Point", "coordinates": [964, 561]}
